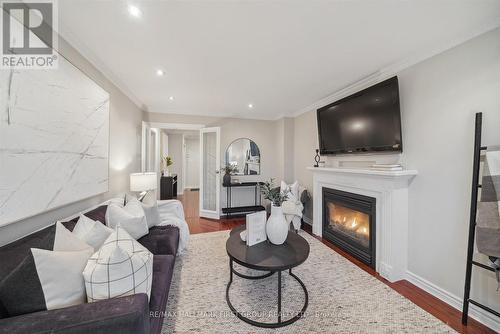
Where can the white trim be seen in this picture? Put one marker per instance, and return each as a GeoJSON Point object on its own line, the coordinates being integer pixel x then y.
{"type": "Point", "coordinates": [183, 164]}
{"type": "Point", "coordinates": [89, 56]}
{"type": "Point", "coordinates": [366, 172]}
{"type": "Point", "coordinates": [144, 133]}
{"type": "Point", "coordinates": [475, 312]}
{"type": "Point", "coordinates": [202, 212]}
{"type": "Point", "coordinates": [175, 126]}
{"type": "Point", "coordinates": [397, 67]}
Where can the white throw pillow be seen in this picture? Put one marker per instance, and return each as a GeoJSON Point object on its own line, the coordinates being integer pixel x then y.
{"type": "Point", "coordinates": [64, 240]}
{"type": "Point", "coordinates": [60, 275]}
{"type": "Point", "coordinates": [152, 214]}
{"type": "Point", "coordinates": [292, 188]}
{"type": "Point", "coordinates": [131, 217]}
{"type": "Point", "coordinates": [91, 231]}
{"type": "Point", "coordinates": [121, 267]}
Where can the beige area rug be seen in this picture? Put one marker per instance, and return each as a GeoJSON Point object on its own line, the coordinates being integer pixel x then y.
{"type": "Point", "coordinates": [342, 297]}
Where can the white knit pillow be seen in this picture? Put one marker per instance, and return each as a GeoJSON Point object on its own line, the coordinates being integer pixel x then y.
{"type": "Point", "coordinates": [121, 267]}
{"type": "Point", "coordinates": [131, 217]}
{"type": "Point", "coordinates": [152, 214]}
{"type": "Point", "coordinates": [91, 231]}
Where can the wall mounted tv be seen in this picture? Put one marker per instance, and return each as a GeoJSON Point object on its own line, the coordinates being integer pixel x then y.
{"type": "Point", "coordinates": [368, 121]}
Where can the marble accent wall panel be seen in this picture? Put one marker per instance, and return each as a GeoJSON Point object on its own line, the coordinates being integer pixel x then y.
{"type": "Point", "coordinates": [54, 140]}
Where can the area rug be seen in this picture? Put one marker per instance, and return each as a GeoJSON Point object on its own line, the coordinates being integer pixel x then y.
{"type": "Point", "coordinates": [342, 297]}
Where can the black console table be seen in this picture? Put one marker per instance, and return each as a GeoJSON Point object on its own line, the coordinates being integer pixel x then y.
{"type": "Point", "coordinates": [238, 210]}
{"type": "Point", "coordinates": [168, 186]}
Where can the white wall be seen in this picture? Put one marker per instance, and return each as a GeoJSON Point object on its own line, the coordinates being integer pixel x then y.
{"type": "Point", "coordinates": [265, 134]}
{"type": "Point", "coordinates": [175, 152]}
{"type": "Point", "coordinates": [124, 151]}
{"type": "Point", "coordinates": [439, 98]}
{"type": "Point", "coordinates": [192, 161]}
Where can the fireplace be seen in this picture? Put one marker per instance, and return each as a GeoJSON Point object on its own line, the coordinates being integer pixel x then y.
{"type": "Point", "coordinates": [349, 223]}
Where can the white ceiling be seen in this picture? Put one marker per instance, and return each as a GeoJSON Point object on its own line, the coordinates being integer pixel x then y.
{"type": "Point", "coordinates": [280, 55]}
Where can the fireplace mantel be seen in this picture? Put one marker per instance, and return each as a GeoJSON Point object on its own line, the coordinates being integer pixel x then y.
{"type": "Point", "coordinates": [390, 189]}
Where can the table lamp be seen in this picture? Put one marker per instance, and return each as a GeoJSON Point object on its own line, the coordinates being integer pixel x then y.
{"type": "Point", "coordinates": [143, 182]}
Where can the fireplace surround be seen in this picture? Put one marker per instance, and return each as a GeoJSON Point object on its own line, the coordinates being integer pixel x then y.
{"type": "Point", "coordinates": [390, 191]}
{"type": "Point", "coordinates": [349, 221]}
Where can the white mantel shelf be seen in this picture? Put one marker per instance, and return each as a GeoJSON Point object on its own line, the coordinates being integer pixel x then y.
{"type": "Point", "coordinates": [400, 173]}
{"type": "Point", "coordinates": [390, 189]}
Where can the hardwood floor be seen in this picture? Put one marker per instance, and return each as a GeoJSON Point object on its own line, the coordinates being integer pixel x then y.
{"type": "Point", "coordinates": [426, 301]}
{"type": "Point", "coordinates": [190, 201]}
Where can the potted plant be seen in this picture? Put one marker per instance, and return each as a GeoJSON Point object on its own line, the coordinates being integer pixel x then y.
{"type": "Point", "coordinates": [227, 170]}
{"type": "Point", "coordinates": [166, 162]}
{"type": "Point", "coordinates": [276, 227]}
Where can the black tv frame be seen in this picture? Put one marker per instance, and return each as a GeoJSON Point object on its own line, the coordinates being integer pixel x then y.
{"type": "Point", "coordinates": [373, 149]}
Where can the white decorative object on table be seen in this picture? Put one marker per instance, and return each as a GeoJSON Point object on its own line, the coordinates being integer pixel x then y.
{"type": "Point", "coordinates": [243, 235]}
{"type": "Point", "coordinates": [277, 227]}
{"type": "Point", "coordinates": [256, 228]}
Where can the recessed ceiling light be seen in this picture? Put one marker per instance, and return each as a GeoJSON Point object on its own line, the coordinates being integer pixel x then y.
{"type": "Point", "coordinates": [171, 98]}
{"type": "Point", "coordinates": [160, 73]}
{"type": "Point", "coordinates": [134, 11]}
{"type": "Point", "coordinates": [250, 106]}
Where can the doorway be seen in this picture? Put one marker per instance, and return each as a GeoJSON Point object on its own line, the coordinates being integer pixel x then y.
{"type": "Point", "coordinates": [195, 154]}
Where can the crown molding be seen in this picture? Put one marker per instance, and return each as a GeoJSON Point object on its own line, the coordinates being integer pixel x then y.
{"type": "Point", "coordinates": [397, 67]}
{"type": "Point", "coordinates": [85, 51]}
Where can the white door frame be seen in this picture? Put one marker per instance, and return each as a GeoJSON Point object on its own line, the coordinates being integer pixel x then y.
{"type": "Point", "coordinates": [146, 128]}
{"type": "Point", "coordinates": [184, 162]}
{"type": "Point", "coordinates": [209, 213]}
{"type": "Point", "coordinates": [145, 159]}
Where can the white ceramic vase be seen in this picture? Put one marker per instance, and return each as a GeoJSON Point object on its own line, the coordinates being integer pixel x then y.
{"type": "Point", "coordinates": [276, 227]}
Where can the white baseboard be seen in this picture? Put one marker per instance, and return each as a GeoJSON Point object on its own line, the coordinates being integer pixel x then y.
{"type": "Point", "coordinates": [475, 312]}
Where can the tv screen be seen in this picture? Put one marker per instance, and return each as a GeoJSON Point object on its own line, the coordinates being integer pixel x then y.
{"type": "Point", "coordinates": [368, 121]}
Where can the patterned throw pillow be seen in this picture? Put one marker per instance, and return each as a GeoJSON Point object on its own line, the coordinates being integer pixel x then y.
{"type": "Point", "coordinates": [121, 267]}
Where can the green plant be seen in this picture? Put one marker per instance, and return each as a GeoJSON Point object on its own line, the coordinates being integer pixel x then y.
{"type": "Point", "coordinates": [166, 161]}
{"type": "Point", "coordinates": [228, 169]}
{"type": "Point", "coordinates": [273, 193]}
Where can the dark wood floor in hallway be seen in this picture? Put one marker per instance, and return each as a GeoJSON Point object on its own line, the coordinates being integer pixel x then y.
{"type": "Point", "coordinates": [433, 305]}
{"type": "Point", "coordinates": [190, 201]}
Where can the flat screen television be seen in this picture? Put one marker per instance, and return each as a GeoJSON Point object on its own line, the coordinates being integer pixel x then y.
{"type": "Point", "coordinates": [368, 121]}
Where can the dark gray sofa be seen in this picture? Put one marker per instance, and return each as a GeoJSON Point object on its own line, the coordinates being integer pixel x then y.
{"type": "Point", "coordinates": [123, 315]}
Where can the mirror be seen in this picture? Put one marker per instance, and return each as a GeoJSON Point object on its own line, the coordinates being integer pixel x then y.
{"type": "Point", "coordinates": [243, 154]}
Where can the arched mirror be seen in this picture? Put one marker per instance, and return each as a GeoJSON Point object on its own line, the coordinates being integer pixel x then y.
{"type": "Point", "coordinates": [244, 155]}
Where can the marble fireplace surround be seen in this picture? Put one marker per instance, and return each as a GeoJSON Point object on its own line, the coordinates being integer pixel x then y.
{"type": "Point", "coordinates": [390, 189]}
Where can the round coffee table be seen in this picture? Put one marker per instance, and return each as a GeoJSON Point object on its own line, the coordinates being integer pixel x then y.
{"type": "Point", "coordinates": [270, 258]}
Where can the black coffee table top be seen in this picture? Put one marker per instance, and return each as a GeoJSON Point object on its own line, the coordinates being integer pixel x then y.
{"type": "Point", "coordinates": [266, 256]}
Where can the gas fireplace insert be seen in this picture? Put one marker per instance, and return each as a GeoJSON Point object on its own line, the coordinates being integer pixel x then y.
{"type": "Point", "coordinates": [349, 223]}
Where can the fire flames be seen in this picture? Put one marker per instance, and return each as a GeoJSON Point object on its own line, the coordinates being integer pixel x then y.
{"type": "Point", "coordinates": [351, 222]}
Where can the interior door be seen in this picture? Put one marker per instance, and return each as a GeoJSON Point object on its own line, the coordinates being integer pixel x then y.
{"type": "Point", "coordinates": [209, 172]}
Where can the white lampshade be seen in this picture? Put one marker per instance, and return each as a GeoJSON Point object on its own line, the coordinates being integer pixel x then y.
{"type": "Point", "coordinates": [143, 181]}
